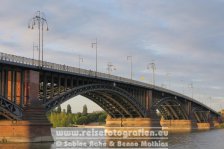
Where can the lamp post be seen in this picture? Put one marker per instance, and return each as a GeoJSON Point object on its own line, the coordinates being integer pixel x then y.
{"type": "Point", "coordinates": [35, 47]}
{"type": "Point", "coordinates": [153, 67]}
{"type": "Point", "coordinates": [130, 58]}
{"type": "Point", "coordinates": [183, 86]}
{"type": "Point", "coordinates": [95, 43]}
{"type": "Point", "coordinates": [192, 89]}
{"type": "Point", "coordinates": [168, 78]}
{"type": "Point", "coordinates": [80, 60]}
{"type": "Point", "coordinates": [110, 68]}
{"type": "Point", "coordinates": [39, 20]}
{"type": "Point", "coordinates": [210, 101]}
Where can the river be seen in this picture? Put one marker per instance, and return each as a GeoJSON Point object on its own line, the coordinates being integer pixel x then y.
{"type": "Point", "coordinates": [213, 139]}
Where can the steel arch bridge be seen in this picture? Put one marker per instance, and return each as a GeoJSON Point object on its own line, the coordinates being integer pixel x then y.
{"type": "Point", "coordinates": [25, 83]}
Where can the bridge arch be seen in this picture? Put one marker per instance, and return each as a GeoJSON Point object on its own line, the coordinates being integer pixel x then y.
{"type": "Point", "coordinates": [201, 114]}
{"type": "Point", "coordinates": [10, 110]}
{"type": "Point", "coordinates": [114, 100]}
{"type": "Point", "coordinates": [169, 108]}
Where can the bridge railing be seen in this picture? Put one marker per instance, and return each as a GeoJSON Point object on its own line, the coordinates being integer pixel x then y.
{"type": "Point", "coordinates": [34, 62]}
{"type": "Point", "coordinates": [18, 59]}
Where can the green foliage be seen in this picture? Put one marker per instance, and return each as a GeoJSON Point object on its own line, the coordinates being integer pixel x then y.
{"type": "Point", "coordinates": [69, 109]}
{"type": "Point", "coordinates": [85, 110]}
{"type": "Point", "coordinates": [58, 109]}
{"type": "Point", "coordinates": [93, 117]}
{"type": "Point", "coordinates": [63, 119]}
{"type": "Point", "coordinates": [102, 117]}
{"type": "Point", "coordinates": [79, 114]}
{"type": "Point", "coordinates": [221, 125]}
{"type": "Point", "coordinates": [82, 120]}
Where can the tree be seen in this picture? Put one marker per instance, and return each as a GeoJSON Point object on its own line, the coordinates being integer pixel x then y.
{"type": "Point", "coordinates": [85, 110]}
{"type": "Point", "coordinates": [59, 109]}
{"type": "Point", "coordinates": [69, 109]}
{"type": "Point", "coordinates": [102, 117]}
{"type": "Point", "coordinates": [82, 120]}
{"type": "Point", "coordinates": [93, 117]}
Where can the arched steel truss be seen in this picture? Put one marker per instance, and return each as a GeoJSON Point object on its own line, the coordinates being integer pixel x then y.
{"type": "Point", "coordinates": [9, 109]}
{"type": "Point", "coordinates": [201, 115]}
{"type": "Point", "coordinates": [170, 108]}
{"type": "Point", "coordinates": [114, 100]}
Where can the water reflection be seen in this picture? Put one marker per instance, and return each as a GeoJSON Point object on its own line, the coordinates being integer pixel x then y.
{"type": "Point", "coordinates": [213, 139]}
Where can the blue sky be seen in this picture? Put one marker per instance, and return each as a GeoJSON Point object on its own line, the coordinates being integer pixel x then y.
{"type": "Point", "coordinates": [184, 39]}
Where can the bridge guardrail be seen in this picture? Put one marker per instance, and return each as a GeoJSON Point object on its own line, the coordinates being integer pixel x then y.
{"type": "Point", "coordinates": [34, 62]}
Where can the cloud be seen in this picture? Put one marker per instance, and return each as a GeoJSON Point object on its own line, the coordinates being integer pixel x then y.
{"type": "Point", "coordinates": [184, 38]}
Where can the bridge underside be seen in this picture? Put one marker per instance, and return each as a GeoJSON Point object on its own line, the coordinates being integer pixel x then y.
{"type": "Point", "coordinates": [115, 101]}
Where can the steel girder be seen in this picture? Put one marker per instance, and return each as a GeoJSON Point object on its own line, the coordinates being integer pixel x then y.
{"type": "Point", "coordinates": [170, 108]}
{"type": "Point", "coordinates": [200, 114]}
{"type": "Point", "coordinates": [100, 88]}
{"type": "Point", "coordinates": [9, 109]}
{"type": "Point", "coordinates": [121, 105]}
{"type": "Point", "coordinates": [108, 106]}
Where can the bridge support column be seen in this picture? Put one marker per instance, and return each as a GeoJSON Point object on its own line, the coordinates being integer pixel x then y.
{"type": "Point", "coordinates": [203, 126]}
{"type": "Point", "coordinates": [178, 125]}
{"type": "Point", "coordinates": [24, 131]}
{"type": "Point", "coordinates": [33, 93]}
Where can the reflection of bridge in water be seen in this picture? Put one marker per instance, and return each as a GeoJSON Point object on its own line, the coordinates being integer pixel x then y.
{"type": "Point", "coordinates": [29, 90]}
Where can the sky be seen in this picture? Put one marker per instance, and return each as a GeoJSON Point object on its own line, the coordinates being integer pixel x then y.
{"type": "Point", "coordinates": [183, 38]}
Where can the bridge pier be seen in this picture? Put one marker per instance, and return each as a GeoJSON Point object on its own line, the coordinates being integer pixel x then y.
{"type": "Point", "coordinates": [34, 126]}
{"type": "Point", "coordinates": [132, 122]}
{"type": "Point", "coordinates": [184, 125]}
{"type": "Point", "coordinates": [24, 131]}
{"type": "Point", "coordinates": [203, 126]}
{"type": "Point", "coordinates": [178, 125]}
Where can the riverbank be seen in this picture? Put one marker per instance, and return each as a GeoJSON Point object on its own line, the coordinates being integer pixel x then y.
{"type": "Point", "coordinates": [221, 126]}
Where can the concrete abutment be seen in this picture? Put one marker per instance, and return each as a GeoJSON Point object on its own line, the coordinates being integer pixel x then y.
{"type": "Point", "coordinates": [170, 125]}
{"type": "Point", "coordinates": [24, 131]}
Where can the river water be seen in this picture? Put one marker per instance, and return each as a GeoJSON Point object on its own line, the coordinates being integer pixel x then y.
{"type": "Point", "coordinates": [213, 139]}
